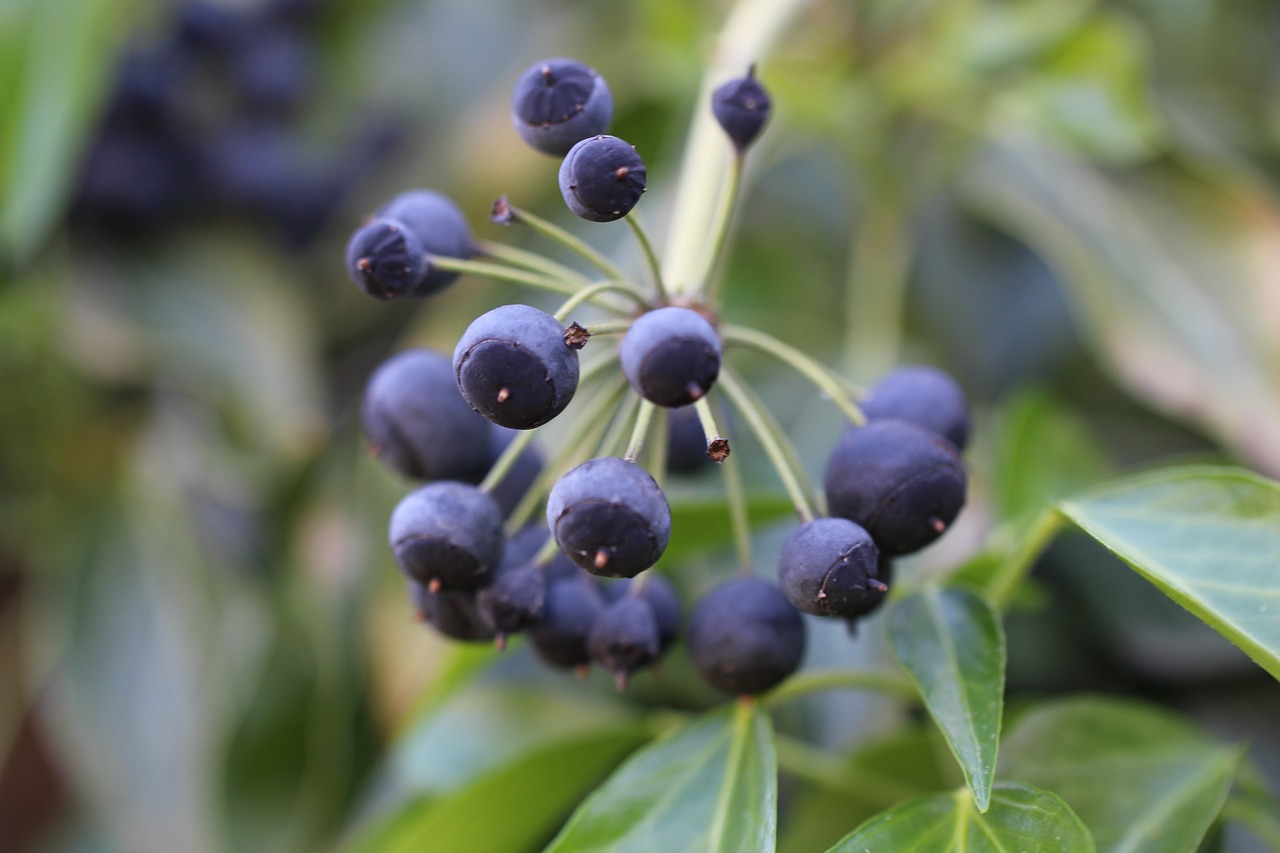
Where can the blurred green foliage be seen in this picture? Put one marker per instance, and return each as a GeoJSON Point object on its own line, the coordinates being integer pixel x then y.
{"type": "Point", "coordinates": [1070, 205]}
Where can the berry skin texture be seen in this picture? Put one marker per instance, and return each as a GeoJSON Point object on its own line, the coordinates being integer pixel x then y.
{"type": "Point", "coordinates": [671, 356]}
{"type": "Point", "coordinates": [742, 107]}
{"type": "Point", "coordinates": [609, 517]}
{"type": "Point", "coordinates": [447, 536]}
{"type": "Point", "coordinates": [745, 637]}
{"type": "Point", "coordinates": [514, 600]}
{"type": "Point", "coordinates": [559, 102]}
{"type": "Point", "coordinates": [663, 601]}
{"type": "Point", "coordinates": [828, 568]}
{"type": "Point", "coordinates": [602, 178]}
{"type": "Point", "coordinates": [385, 259]}
{"type": "Point", "coordinates": [903, 483]}
{"type": "Point", "coordinates": [514, 368]}
{"type": "Point", "coordinates": [420, 425]}
{"type": "Point", "coordinates": [440, 227]}
{"type": "Point", "coordinates": [924, 396]}
{"type": "Point", "coordinates": [624, 639]}
{"type": "Point", "coordinates": [512, 488]}
{"type": "Point", "coordinates": [453, 614]}
{"type": "Point", "coordinates": [572, 607]}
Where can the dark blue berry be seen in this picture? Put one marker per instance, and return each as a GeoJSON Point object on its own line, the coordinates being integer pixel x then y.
{"type": "Point", "coordinates": [453, 614]}
{"type": "Point", "coordinates": [440, 227]}
{"type": "Point", "coordinates": [385, 259]}
{"type": "Point", "coordinates": [418, 423]}
{"type": "Point", "coordinates": [514, 600]}
{"type": "Point", "coordinates": [609, 517]}
{"type": "Point", "coordinates": [924, 396]}
{"type": "Point", "coordinates": [671, 356]}
{"type": "Point", "coordinates": [902, 482]}
{"type": "Point", "coordinates": [745, 637]}
{"type": "Point", "coordinates": [559, 102]}
{"type": "Point", "coordinates": [624, 639]}
{"type": "Point", "coordinates": [662, 600]}
{"type": "Point", "coordinates": [569, 612]}
{"type": "Point", "coordinates": [828, 568]}
{"type": "Point", "coordinates": [514, 367]}
{"type": "Point", "coordinates": [448, 536]}
{"type": "Point", "coordinates": [742, 108]}
{"type": "Point", "coordinates": [602, 178]}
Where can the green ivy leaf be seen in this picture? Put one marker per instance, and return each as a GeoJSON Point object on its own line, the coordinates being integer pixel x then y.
{"type": "Point", "coordinates": [1021, 818]}
{"type": "Point", "coordinates": [1209, 538]}
{"type": "Point", "coordinates": [514, 808]}
{"type": "Point", "coordinates": [1142, 780]}
{"type": "Point", "coordinates": [952, 645]}
{"type": "Point", "coordinates": [711, 786]}
{"type": "Point", "coordinates": [57, 59]}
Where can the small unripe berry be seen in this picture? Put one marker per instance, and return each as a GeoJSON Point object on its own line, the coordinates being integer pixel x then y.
{"type": "Point", "coordinates": [742, 107]}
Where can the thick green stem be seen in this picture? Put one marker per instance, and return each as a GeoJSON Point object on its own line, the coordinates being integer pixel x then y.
{"type": "Point", "coordinates": [501, 272]}
{"type": "Point", "coordinates": [651, 258]}
{"type": "Point", "coordinates": [821, 680]}
{"type": "Point", "coordinates": [1029, 547]}
{"type": "Point", "coordinates": [877, 288]}
{"type": "Point", "coordinates": [822, 377]}
{"type": "Point", "coordinates": [772, 438]}
{"type": "Point", "coordinates": [558, 235]}
{"type": "Point", "coordinates": [749, 33]}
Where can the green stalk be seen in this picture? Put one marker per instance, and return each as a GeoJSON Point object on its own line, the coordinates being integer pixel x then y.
{"type": "Point", "coordinates": [640, 431]}
{"type": "Point", "coordinates": [708, 281]}
{"type": "Point", "coordinates": [749, 33]}
{"type": "Point", "coordinates": [1047, 526]}
{"type": "Point", "coordinates": [589, 294]}
{"type": "Point", "coordinates": [501, 272]}
{"type": "Point", "coordinates": [502, 465]}
{"type": "Point", "coordinates": [772, 439]}
{"type": "Point", "coordinates": [558, 235]}
{"type": "Point", "coordinates": [819, 374]}
{"type": "Point", "coordinates": [651, 258]}
{"type": "Point", "coordinates": [528, 260]}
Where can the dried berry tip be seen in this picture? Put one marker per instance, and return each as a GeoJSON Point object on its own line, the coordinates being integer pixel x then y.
{"type": "Point", "coordinates": [502, 212]}
{"type": "Point", "coordinates": [718, 449]}
{"type": "Point", "coordinates": [576, 336]}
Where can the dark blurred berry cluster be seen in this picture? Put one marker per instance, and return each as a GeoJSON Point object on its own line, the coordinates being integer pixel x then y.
{"type": "Point", "coordinates": [580, 583]}
{"type": "Point", "coordinates": [205, 119]}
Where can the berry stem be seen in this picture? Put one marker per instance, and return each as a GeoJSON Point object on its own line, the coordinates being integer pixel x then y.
{"type": "Point", "coordinates": [611, 444]}
{"type": "Point", "coordinates": [616, 327]}
{"type": "Point", "coordinates": [588, 294]}
{"type": "Point", "coordinates": [772, 438]}
{"type": "Point", "coordinates": [819, 374]}
{"type": "Point", "coordinates": [650, 257]}
{"type": "Point", "coordinates": [528, 260]}
{"type": "Point", "coordinates": [586, 429]}
{"type": "Point", "coordinates": [501, 272]}
{"type": "Point", "coordinates": [820, 680]}
{"type": "Point", "coordinates": [503, 464]}
{"type": "Point", "coordinates": [738, 521]}
{"type": "Point", "coordinates": [707, 281]}
{"type": "Point", "coordinates": [569, 241]}
{"type": "Point", "coordinates": [640, 431]}
{"type": "Point", "coordinates": [658, 445]}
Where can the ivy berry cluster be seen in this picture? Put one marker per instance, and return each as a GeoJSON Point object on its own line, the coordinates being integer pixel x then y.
{"type": "Point", "coordinates": [482, 567]}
